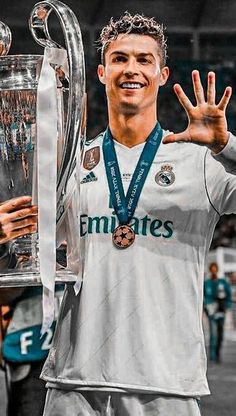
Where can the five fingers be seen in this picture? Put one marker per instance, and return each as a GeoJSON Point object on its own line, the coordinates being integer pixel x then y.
{"type": "Point", "coordinates": [199, 93]}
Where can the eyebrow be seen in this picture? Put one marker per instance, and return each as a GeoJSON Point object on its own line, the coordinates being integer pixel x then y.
{"type": "Point", "coordinates": [119, 53]}
{"type": "Point", "coordinates": [143, 54]}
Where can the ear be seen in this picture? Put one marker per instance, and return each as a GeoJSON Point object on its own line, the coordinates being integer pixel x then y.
{"type": "Point", "coordinates": [101, 73]}
{"type": "Point", "coordinates": [164, 75]}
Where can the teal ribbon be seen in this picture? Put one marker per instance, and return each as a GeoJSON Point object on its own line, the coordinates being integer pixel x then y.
{"type": "Point", "coordinates": [125, 206]}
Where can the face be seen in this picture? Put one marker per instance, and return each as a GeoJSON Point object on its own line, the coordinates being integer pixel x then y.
{"type": "Point", "coordinates": [132, 73]}
{"type": "Point", "coordinates": [213, 268]}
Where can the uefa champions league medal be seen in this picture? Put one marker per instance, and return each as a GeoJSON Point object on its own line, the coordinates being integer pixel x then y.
{"type": "Point", "coordinates": [124, 206]}
{"type": "Point", "coordinates": [123, 236]}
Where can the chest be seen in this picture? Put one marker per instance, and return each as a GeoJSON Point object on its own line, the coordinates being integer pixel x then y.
{"type": "Point", "coordinates": [174, 187]}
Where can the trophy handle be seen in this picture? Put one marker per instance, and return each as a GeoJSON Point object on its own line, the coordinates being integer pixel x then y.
{"type": "Point", "coordinates": [5, 39]}
{"type": "Point", "coordinates": [73, 41]}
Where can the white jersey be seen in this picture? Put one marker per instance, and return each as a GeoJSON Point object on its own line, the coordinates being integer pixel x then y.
{"type": "Point", "coordinates": [136, 324]}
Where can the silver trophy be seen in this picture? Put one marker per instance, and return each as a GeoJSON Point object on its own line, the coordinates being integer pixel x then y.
{"type": "Point", "coordinates": [19, 94]}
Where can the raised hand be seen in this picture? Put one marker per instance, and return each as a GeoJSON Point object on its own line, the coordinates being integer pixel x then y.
{"type": "Point", "coordinates": [207, 124]}
{"type": "Point", "coordinates": [17, 218]}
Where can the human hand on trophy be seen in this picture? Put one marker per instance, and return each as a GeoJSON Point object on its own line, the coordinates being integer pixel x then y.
{"type": "Point", "coordinates": [17, 218]}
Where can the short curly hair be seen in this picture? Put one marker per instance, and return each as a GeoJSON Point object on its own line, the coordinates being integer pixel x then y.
{"type": "Point", "coordinates": [137, 24]}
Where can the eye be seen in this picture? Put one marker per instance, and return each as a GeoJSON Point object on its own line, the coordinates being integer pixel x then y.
{"type": "Point", "coordinates": [119, 58]}
{"type": "Point", "coordinates": [144, 60]}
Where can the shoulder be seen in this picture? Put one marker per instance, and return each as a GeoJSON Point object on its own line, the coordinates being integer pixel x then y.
{"type": "Point", "coordinates": [93, 142]}
{"type": "Point", "coordinates": [92, 152]}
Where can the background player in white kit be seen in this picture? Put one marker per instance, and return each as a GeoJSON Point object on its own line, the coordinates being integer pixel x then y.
{"type": "Point", "coordinates": [131, 342]}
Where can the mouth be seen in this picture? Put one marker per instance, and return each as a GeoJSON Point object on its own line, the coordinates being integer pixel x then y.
{"type": "Point", "coordinates": [131, 85]}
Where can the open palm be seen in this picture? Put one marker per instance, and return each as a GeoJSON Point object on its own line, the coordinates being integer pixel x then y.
{"type": "Point", "coordinates": [207, 124]}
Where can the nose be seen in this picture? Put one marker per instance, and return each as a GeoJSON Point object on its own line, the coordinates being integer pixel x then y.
{"type": "Point", "coordinates": [131, 68]}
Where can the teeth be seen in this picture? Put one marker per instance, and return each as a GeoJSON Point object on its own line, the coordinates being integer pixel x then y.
{"type": "Point", "coordinates": [131, 85]}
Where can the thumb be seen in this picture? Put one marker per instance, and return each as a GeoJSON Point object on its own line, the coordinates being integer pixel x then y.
{"type": "Point", "coordinates": [172, 138]}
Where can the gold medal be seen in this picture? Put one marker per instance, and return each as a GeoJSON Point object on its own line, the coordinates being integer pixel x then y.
{"type": "Point", "coordinates": [123, 236]}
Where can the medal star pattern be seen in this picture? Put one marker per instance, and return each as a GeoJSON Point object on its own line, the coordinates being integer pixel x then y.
{"type": "Point", "coordinates": [123, 236]}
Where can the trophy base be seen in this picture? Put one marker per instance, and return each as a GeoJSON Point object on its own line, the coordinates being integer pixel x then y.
{"type": "Point", "coordinates": [26, 272]}
{"type": "Point", "coordinates": [24, 278]}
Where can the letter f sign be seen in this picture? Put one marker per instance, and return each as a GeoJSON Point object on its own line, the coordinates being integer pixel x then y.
{"type": "Point", "coordinates": [25, 342]}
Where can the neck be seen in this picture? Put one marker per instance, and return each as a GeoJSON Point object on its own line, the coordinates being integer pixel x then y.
{"type": "Point", "coordinates": [131, 130]}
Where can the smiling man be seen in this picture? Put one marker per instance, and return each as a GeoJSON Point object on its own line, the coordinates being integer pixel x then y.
{"type": "Point", "coordinates": [134, 89]}
{"type": "Point", "coordinates": [131, 342]}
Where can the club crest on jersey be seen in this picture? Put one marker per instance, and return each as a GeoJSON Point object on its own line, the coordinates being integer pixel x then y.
{"type": "Point", "coordinates": [91, 158]}
{"type": "Point", "coordinates": [166, 176]}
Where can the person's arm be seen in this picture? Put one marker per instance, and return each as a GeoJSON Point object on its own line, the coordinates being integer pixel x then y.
{"type": "Point", "coordinates": [227, 157]}
{"type": "Point", "coordinates": [228, 300]}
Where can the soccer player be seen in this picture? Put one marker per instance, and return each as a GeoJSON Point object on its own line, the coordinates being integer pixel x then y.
{"type": "Point", "coordinates": [131, 341]}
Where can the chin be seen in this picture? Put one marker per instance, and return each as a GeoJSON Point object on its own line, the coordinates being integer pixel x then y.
{"type": "Point", "coordinates": [129, 108]}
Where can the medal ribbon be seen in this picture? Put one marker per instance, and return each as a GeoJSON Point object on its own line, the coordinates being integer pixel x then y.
{"type": "Point", "coordinates": [125, 206]}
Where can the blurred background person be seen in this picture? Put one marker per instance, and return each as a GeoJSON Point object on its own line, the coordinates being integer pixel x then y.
{"type": "Point", "coordinates": [217, 300]}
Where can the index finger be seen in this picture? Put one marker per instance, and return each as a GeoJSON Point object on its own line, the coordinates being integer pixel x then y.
{"type": "Point", "coordinates": [14, 203]}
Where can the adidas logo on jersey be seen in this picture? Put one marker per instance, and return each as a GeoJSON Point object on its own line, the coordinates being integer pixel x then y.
{"type": "Point", "coordinates": [91, 177]}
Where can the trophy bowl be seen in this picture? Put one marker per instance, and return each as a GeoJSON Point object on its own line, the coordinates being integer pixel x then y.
{"type": "Point", "coordinates": [19, 129]}
{"type": "Point", "coordinates": [18, 91]}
